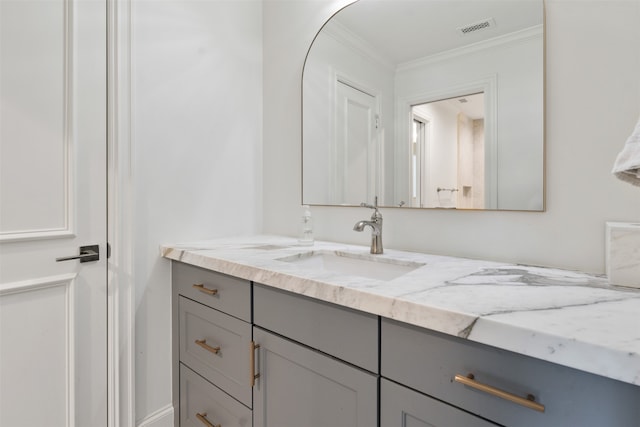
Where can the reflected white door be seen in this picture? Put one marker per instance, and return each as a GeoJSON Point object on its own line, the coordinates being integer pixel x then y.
{"type": "Point", "coordinates": [356, 148]}
{"type": "Point", "coordinates": [53, 352]}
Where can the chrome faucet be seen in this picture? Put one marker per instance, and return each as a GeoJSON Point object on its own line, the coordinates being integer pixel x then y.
{"type": "Point", "coordinates": [376, 227]}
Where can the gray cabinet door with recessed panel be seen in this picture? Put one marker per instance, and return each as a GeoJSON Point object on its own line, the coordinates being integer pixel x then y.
{"type": "Point", "coordinates": [300, 387]}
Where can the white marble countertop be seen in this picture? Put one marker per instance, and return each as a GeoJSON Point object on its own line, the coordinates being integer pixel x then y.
{"type": "Point", "coordinates": [569, 318]}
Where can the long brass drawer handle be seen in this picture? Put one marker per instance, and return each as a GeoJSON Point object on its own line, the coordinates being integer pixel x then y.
{"type": "Point", "coordinates": [203, 418]}
{"type": "Point", "coordinates": [203, 344]}
{"type": "Point", "coordinates": [529, 401]}
{"type": "Point", "coordinates": [253, 347]}
{"type": "Point", "coordinates": [201, 288]}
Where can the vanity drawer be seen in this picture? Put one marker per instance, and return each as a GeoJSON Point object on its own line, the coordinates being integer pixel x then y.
{"type": "Point", "coordinates": [341, 332]}
{"type": "Point", "coordinates": [401, 407]}
{"type": "Point", "coordinates": [429, 361]}
{"type": "Point", "coordinates": [197, 396]}
{"type": "Point", "coordinates": [217, 346]}
{"type": "Point", "coordinates": [216, 290]}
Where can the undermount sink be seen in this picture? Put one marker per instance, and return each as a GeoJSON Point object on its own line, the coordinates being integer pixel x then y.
{"type": "Point", "coordinates": [351, 264]}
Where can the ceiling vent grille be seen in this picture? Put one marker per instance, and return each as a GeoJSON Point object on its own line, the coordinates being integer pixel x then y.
{"type": "Point", "coordinates": [477, 26]}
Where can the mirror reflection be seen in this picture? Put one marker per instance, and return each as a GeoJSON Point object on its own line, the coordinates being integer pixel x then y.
{"type": "Point", "coordinates": [426, 104]}
{"type": "Point", "coordinates": [447, 153]}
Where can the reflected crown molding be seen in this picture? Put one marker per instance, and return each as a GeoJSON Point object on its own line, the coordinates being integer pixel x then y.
{"type": "Point", "coordinates": [351, 40]}
{"type": "Point", "coordinates": [505, 40]}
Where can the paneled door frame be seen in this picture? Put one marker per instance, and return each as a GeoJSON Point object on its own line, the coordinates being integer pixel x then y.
{"type": "Point", "coordinates": [121, 376]}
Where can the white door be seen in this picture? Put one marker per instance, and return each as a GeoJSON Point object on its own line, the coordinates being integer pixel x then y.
{"type": "Point", "coordinates": [356, 146]}
{"type": "Point", "coordinates": [53, 341]}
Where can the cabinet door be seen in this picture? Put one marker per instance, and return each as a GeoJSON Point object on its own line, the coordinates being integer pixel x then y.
{"type": "Point", "coordinates": [403, 407]}
{"type": "Point", "coordinates": [300, 387]}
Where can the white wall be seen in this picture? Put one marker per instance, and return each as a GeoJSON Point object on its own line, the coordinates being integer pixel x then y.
{"type": "Point", "coordinates": [197, 111]}
{"type": "Point", "coordinates": [592, 104]}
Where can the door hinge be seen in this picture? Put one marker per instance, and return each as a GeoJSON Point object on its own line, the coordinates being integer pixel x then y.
{"type": "Point", "coordinates": [108, 250]}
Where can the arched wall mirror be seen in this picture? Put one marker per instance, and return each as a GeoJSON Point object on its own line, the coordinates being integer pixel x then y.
{"type": "Point", "coordinates": [426, 104]}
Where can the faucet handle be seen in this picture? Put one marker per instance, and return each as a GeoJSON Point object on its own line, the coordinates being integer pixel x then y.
{"type": "Point", "coordinates": [376, 215]}
{"type": "Point", "coordinates": [373, 206]}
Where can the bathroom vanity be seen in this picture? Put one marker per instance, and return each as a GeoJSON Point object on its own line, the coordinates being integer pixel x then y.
{"type": "Point", "coordinates": [268, 333]}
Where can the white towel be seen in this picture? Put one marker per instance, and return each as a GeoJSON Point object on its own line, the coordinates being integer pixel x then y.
{"type": "Point", "coordinates": [627, 165]}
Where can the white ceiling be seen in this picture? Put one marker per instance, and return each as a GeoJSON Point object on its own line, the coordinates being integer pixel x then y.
{"type": "Point", "coordinates": [405, 30]}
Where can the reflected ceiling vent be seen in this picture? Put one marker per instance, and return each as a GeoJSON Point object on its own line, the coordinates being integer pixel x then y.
{"type": "Point", "coordinates": [476, 26]}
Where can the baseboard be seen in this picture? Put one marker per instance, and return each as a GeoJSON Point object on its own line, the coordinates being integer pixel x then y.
{"type": "Point", "coordinates": [163, 417]}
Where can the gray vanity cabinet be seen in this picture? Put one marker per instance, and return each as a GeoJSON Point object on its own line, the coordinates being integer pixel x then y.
{"type": "Point", "coordinates": [246, 354]}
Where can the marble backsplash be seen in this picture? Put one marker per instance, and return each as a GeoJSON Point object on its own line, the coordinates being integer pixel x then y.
{"type": "Point", "coordinates": [623, 253]}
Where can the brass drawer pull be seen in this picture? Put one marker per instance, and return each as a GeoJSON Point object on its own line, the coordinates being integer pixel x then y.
{"type": "Point", "coordinates": [203, 417]}
{"type": "Point", "coordinates": [201, 288]}
{"type": "Point", "coordinates": [203, 344]}
{"type": "Point", "coordinates": [529, 401]}
{"type": "Point", "coordinates": [253, 347]}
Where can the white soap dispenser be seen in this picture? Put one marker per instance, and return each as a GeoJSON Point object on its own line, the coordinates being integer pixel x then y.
{"type": "Point", "coordinates": [306, 227]}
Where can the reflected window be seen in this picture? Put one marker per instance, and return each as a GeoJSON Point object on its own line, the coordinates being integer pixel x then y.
{"type": "Point", "coordinates": [418, 145]}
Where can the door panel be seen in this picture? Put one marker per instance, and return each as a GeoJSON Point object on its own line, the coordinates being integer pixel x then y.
{"type": "Point", "coordinates": [36, 68]}
{"type": "Point", "coordinates": [356, 153]}
{"type": "Point", "coordinates": [53, 367]}
{"type": "Point", "coordinates": [35, 319]}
